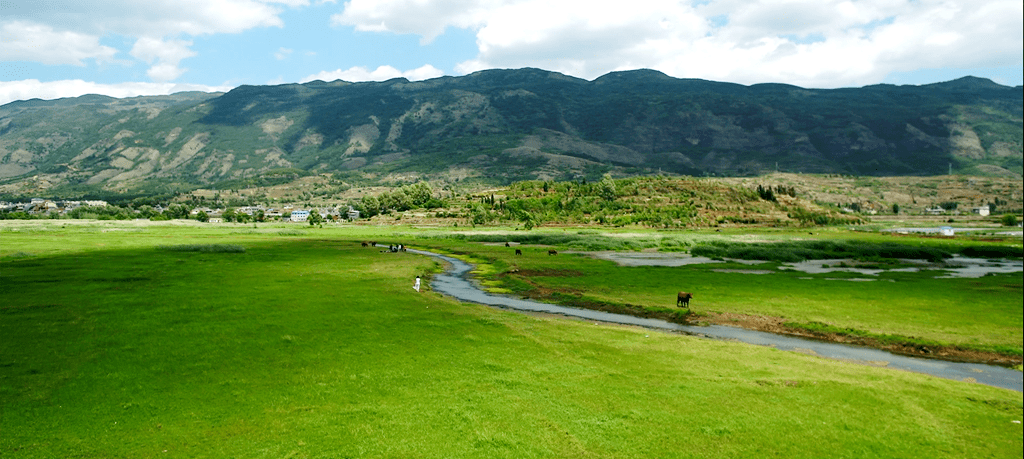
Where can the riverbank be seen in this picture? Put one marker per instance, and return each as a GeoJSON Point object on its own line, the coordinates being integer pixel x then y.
{"type": "Point", "coordinates": [456, 282]}
{"type": "Point", "coordinates": [962, 309]}
{"type": "Point", "coordinates": [780, 326]}
{"type": "Point", "coordinates": [938, 351]}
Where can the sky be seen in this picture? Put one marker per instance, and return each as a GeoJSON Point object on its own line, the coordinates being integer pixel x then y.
{"type": "Point", "coordinates": [64, 48]}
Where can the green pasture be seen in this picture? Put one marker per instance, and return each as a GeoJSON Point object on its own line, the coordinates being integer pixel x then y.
{"type": "Point", "coordinates": [162, 341]}
{"type": "Point", "coordinates": [984, 313]}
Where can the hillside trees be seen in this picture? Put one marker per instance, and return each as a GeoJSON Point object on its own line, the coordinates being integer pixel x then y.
{"type": "Point", "coordinates": [656, 202]}
{"type": "Point", "coordinates": [408, 197]}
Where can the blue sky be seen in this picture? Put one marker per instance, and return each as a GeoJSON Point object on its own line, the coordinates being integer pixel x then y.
{"type": "Point", "coordinates": [55, 48]}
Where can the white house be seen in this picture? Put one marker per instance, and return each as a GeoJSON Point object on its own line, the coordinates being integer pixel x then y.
{"type": "Point", "coordinates": [300, 215]}
{"type": "Point", "coordinates": [983, 211]}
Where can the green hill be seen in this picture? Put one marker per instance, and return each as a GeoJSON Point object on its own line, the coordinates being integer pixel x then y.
{"type": "Point", "coordinates": [499, 126]}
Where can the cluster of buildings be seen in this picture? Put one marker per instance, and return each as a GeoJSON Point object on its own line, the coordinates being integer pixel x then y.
{"type": "Point", "coordinates": [39, 206]}
{"type": "Point", "coordinates": [287, 213]}
{"type": "Point", "coordinates": [984, 211]}
{"type": "Point", "coordinates": [44, 207]}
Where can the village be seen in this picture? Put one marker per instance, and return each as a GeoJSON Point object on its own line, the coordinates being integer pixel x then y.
{"type": "Point", "coordinates": [46, 208]}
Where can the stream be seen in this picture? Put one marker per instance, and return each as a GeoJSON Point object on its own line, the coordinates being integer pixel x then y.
{"type": "Point", "coordinates": [455, 283]}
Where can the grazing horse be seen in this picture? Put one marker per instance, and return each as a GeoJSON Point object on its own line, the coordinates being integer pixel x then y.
{"type": "Point", "coordinates": [508, 245]}
{"type": "Point", "coordinates": [366, 244]}
{"type": "Point", "coordinates": [684, 299]}
{"type": "Point", "coordinates": [519, 252]}
{"type": "Point", "coordinates": [552, 252]}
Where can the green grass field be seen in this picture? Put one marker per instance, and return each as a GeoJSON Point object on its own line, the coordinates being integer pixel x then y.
{"type": "Point", "coordinates": [305, 344]}
{"type": "Point", "coordinates": [984, 313]}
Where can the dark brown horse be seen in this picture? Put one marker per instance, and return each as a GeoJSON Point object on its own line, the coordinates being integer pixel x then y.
{"type": "Point", "coordinates": [552, 252]}
{"type": "Point", "coordinates": [684, 299]}
{"type": "Point", "coordinates": [519, 252]}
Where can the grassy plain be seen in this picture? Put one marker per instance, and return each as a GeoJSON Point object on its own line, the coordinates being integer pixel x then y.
{"type": "Point", "coordinates": [307, 345]}
{"type": "Point", "coordinates": [980, 313]}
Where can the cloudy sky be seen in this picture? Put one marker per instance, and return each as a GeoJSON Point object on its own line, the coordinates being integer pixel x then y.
{"type": "Point", "coordinates": [62, 48]}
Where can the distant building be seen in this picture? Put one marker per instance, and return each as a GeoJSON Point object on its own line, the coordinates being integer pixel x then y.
{"type": "Point", "coordinates": [983, 211]}
{"type": "Point", "coordinates": [352, 214]}
{"type": "Point", "coordinates": [300, 215]}
{"type": "Point", "coordinates": [946, 231]}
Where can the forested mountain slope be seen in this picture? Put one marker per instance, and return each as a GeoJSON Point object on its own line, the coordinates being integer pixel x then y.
{"type": "Point", "coordinates": [497, 126]}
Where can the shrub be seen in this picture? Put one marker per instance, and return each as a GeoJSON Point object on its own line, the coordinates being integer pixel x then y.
{"type": "Point", "coordinates": [993, 252]}
{"type": "Point", "coordinates": [789, 252]}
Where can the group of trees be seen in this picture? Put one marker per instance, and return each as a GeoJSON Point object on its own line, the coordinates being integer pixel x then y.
{"type": "Point", "coordinates": [608, 201]}
{"type": "Point", "coordinates": [416, 196]}
{"type": "Point", "coordinates": [768, 193]}
{"type": "Point", "coordinates": [110, 212]}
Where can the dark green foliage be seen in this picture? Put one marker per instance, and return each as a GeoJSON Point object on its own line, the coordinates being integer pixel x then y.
{"type": "Point", "coordinates": [579, 241]}
{"type": "Point", "coordinates": [17, 215]}
{"type": "Point", "coordinates": [102, 213]}
{"type": "Point", "coordinates": [993, 251]}
{"type": "Point", "coordinates": [795, 251]}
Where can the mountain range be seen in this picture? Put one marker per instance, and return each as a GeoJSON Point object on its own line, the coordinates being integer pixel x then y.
{"type": "Point", "coordinates": [498, 126]}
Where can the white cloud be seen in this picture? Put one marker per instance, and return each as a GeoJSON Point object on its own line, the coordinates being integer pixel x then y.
{"type": "Point", "coordinates": [55, 32]}
{"type": "Point", "coordinates": [28, 89]}
{"type": "Point", "coordinates": [427, 18]}
{"type": "Point", "coordinates": [282, 53]}
{"type": "Point", "coordinates": [155, 18]}
{"type": "Point", "coordinates": [382, 73]}
{"type": "Point", "coordinates": [25, 41]}
{"type": "Point", "coordinates": [815, 43]}
{"type": "Point", "coordinates": [163, 56]}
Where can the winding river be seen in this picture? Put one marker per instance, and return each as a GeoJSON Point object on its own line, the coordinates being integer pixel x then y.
{"type": "Point", "coordinates": [455, 283]}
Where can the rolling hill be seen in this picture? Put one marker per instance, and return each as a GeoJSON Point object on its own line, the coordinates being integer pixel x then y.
{"type": "Point", "coordinates": [499, 126]}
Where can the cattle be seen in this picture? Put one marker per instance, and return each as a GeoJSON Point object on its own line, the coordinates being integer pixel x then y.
{"type": "Point", "coordinates": [508, 245]}
{"type": "Point", "coordinates": [552, 252]}
{"type": "Point", "coordinates": [684, 299]}
{"type": "Point", "coordinates": [519, 252]}
{"type": "Point", "coordinates": [366, 244]}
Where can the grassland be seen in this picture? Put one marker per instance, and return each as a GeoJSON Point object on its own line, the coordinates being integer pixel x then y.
{"type": "Point", "coordinates": [972, 318]}
{"type": "Point", "coordinates": [304, 344]}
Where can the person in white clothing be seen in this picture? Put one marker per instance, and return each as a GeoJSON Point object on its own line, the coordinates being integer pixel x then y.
{"type": "Point", "coordinates": [416, 286]}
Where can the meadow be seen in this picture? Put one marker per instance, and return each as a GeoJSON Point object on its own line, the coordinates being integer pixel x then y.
{"type": "Point", "coordinates": [123, 340]}
{"type": "Point", "coordinates": [923, 307]}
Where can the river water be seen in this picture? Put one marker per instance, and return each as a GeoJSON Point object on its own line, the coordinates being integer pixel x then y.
{"type": "Point", "coordinates": [455, 283]}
